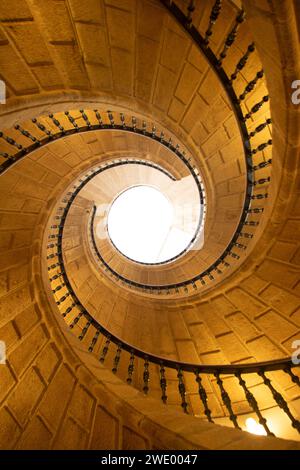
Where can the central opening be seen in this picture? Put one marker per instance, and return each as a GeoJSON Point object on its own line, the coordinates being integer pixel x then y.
{"type": "Point", "coordinates": [141, 226]}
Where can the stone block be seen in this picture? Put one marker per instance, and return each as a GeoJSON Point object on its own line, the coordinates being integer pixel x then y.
{"type": "Point", "coordinates": [82, 406]}
{"type": "Point", "coordinates": [25, 320]}
{"type": "Point", "coordinates": [71, 436]}
{"type": "Point", "coordinates": [233, 348]}
{"type": "Point", "coordinates": [247, 303]}
{"type": "Point", "coordinates": [242, 326]}
{"type": "Point", "coordinates": [8, 381]}
{"type": "Point", "coordinates": [106, 430]}
{"type": "Point", "coordinates": [165, 84]}
{"type": "Point", "coordinates": [131, 440]}
{"type": "Point", "coordinates": [87, 11]}
{"type": "Point", "coordinates": [12, 304]}
{"type": "Point", "coordinates": [175, 47]}
{"type": "Point", "coordinates": [25, 396]}
{"type": "Point", "coordinates": [189, 81]}
{"type": "Point", "coordinates": [120, 28]}
{"type": "Point", "coordinates": [150, 18]}
{"type": "Point", "coordinates": [9, 429]}
{"type": "Point", "coordinates": [186, 351]}
{"type": "Point", "coordinates": [280, 299]}
{"type": "Point", "coordinates": [54, 402]}
{"type": "Point", "coordinates": [263, 349]}
{"type": "Point", "coordinates": [93, 42]}
{"type": "Point", "coordinates": [26, 351]}
{"type": "Point", "coordinates": [122, 66]}
{"type": "Point", "coordinates": [196, 112]}
{"type": "Point", "coordinates": [36, 436]}
{"type": "Point", "coordinates": [23, 82]}
{"type": "Point", "coordinates": [47, 361]}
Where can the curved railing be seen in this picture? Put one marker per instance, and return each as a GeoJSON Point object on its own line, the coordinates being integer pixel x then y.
{"type": "Point", "coordinates": [92, 120]}
{"type": "Point", "coordinates": [92, 334]}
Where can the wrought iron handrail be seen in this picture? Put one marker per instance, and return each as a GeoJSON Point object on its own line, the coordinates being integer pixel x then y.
{"type": "Point", "coordinates": [85, 322]}
{"type": "Point", "coordinates": [223, 261]}
{"type": "Point", "coordinates": [242, 234]}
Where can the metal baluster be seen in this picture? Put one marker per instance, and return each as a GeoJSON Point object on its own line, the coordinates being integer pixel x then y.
{"type": "Point", "coordinates": [218, 270]}
{"type": "Point", "coordinates": [256, 107]}
{"type": "Point", "coordinates": [240, 245]}
{"type": "Point", "coordinates": [212, 20]}
{"type": "Point", "coordinates": [94, 341]}
{"type": "Point", "coordinates": [133, 120]}
{"type": "Point", "coordinates": [226, 400]}
{"type": "Point", "coordinates": [63, 298]}
{"type": "Point", "coordinates": [42, 127]}
{"type": "Point", "coordinates": [226, 264]}
{"type": "Point", "coordinates": [250, 86]}
{"type": "Point", "coordinates": [130, 368]}
{"type": "Point", "coordinates": [203, 397]}
{"type": "Point", "coordinates": [76, 320]}
{"type": "Point", "coordinates": [245, 235]}
{"type": "Point", "coordinates": [295, 378]}
{"type": "Point", "coordinates": [256, 210]}
{"type": "Point", "coordinates": [98, 116]}
{"type": "Point", "coordinates": [163, 383]}
{"type": "Point", "coordinates": [181, 389]}
{"type": "Point", "coordinates": [251, 223]}
{"type": "Point", "coordinates": [253, 403]}
{"type": "Point", "coordinates": [280, 401]}
{"type": "Point", "coordinates": [262, 165]}
{"type": "Point", "coordinates": [68, 310]}
{"type": "Point", "coordinates": [111, 118]}
{"type": "Point", "coordinates": [6, 155]}
{"type": "Point", "coordinates": [153, 131]}
{"type": "Point", "coordinates": [146, 376]}
{"type": "Point", "coordinates": [53, 266]}
{"type": "Point", "coordinates": [105, 349]}
{"type": "Point", "coordinates": [72, 120]}
{"type": "Point", "coordinates": [122, 117]}
{"type": "Point", "coordinates": [56, 276]}
{"type": "Point", "coordinates": [84, 330]}
{"type": "Point", "coordinates": [52, 245]}
{"type": "Point", "coordinates": [117, 358]}
{"type": "Point", "coordinates": [57, 123]}
{"type": "Point", "coordinates": [85, 118]}
{"type": "Point", "coordinates": [52, 255]}
{"type": "Point", "coordinates": [11, 141]}
{"type": "Point", "coordinates": [262, 146]}
{"type": "Point", "coordinates": [241, 64]}
{"type": "Point", "coordinates": [27, 134]}
{"type": "Point", "coordinates": [259, 196]}
{"type": "Point", "coordinates": [231, 36]}
{"type": "Point", "coordinates": [58, 288]}
{"type": "Point", "coordinates": [261, 127]}
{"type": "Point", "coordinates": [261, 181]}
{"type": "Point", "coordinates": [191, 9]}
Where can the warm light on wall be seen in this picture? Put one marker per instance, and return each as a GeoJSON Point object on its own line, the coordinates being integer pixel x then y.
{"type": "Point", "coordinates": [255, 428]}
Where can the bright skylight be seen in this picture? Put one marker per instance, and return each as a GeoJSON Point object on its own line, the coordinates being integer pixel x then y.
{"type": "Point", "coordinates": [140, 224]}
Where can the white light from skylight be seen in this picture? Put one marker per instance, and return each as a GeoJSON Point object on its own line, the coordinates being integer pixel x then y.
{"type": "Point", "coordinates": [140, 225]}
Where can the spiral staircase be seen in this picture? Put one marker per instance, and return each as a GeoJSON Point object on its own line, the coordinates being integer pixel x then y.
{"type": "Point", "coordinates": [103, 352]}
